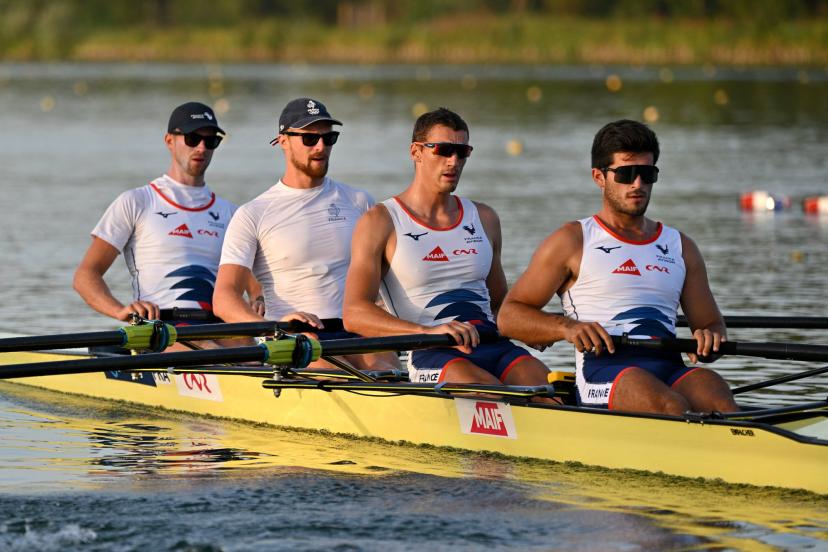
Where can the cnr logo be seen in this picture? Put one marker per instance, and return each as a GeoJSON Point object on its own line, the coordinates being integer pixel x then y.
{"type": "Point", "coordinates": [197, 382]}
{"type": "Point", "coordinates": [657, 268]}
{"type": "Point", "coordinates": [465, 252]}
{"type": "Point", "coordinates": [203, 232]}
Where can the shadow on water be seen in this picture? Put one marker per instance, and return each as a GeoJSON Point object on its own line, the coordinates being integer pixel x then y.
{"type": "Point", "coordinates": [176, 481]}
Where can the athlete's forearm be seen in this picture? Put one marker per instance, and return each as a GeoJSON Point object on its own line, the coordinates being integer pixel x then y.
{"type": "Point", "coordinates": [369, 320]}
{"type": "Point", "coordinates": [93, 290]}
{"type": "Point", "coordinates": [531, 325]}
{"type": "Point", "coordinates": [231, 306]}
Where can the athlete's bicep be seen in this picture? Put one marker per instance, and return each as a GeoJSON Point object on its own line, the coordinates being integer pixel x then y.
{"type": "Point", "coordinates": [367, 251]}
{"type": "Point", "coordinates": [697, 299]}
{"type": "Point", "coordinates": [550, 269]}
{"type": "Point", "coordinates": [99, 257]}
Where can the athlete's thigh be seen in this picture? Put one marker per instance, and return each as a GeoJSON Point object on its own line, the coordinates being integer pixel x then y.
{"type": "Point", "coordinates": [461, 370]}
{"type": "Point", "coordinates": [637, 390]}
{"type": "Point", "coordinates": [527, 370]}
{"type": "Point", "coordinates": [706, 391]}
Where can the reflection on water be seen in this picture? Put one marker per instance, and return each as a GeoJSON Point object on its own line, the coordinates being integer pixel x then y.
{"type": "Point", "coordinates": [179, 470]}
{"type": "Point", "coordinates": [74, 136]}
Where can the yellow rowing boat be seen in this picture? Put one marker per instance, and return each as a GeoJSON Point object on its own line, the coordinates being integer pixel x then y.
{"type": "Point", "coordinates": [781, 447]}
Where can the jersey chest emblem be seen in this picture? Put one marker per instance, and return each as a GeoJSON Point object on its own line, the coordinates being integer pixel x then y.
{"type": "Point", "coordinates": [628, 267]}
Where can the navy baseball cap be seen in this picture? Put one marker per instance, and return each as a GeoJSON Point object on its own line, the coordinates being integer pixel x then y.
{"type": "Point", "coordinates": [192, 116]}
{"type": "Point", "coordinates": [302, 112]}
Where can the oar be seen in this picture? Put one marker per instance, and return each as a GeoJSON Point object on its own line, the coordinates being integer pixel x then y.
{"type": "Point", "coordinates": [297, 351]}
{"type": "Point", "coordinates": [775, 322]}
{"type": "Point", "coordinates": [780, 379]}
{"type": "Point", "coordinates": [154, 336]}
{"type": "Point", "coordinates": [782, 351]}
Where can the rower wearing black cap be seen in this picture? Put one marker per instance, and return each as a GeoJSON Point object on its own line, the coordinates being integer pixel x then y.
{"type": "Point", "coordinates": [170, 231]}
{"type": "Point", "coordinates": [296, 236]}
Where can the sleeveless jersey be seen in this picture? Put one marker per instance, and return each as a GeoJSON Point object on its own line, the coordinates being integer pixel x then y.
{"type": "Point", "coordinates": [438, 274]}
{"type": "Point", "coordinates": [171, 236]}
{"type": "Point", "coordinates": [626, 286]}
{"type": "Point", "coordinates": [297, 242]}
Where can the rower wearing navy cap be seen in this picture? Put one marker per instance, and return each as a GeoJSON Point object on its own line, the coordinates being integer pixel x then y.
{"type": "Point", "coordinates": [619, 272]}
{"type": "Point", "coordinates": [435, 259]}
{"type": "Point", "coordinates": [296, 236]}
{"type": "Point", "coordinates": [170, 231]}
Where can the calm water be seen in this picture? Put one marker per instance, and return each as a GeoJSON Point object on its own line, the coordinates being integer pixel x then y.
{"type": "Point", "coordinates": [74, 136]}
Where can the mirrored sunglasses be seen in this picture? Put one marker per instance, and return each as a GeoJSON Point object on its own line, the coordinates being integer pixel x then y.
{"type": "Point", "coordinates": [628, 173]}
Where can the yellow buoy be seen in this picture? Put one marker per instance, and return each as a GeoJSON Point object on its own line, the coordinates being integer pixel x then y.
{"type": "Point", "coordinates": [651, 114]}
{"type": "Point", "coordinates": [514, 147]}
{"type": "Point", "coordinates": [534, 94]}
{"type": "Point", "coordinates": [614, 83]}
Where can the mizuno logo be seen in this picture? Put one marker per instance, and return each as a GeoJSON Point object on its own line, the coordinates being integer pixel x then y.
{"type": "Point", "coordinates": [436, 254]}
{"type": "Point", "coordinates": [608, 250]}
{"type": "Point", "coordinates": [470, 229]}
{"type": "Point", "coordinates": [627, 268]}
{"type": "Point", "coordinates": [215, 216]}
{"type": "Point", "coordinates": [664, 249]}
{"type": "Point", "coordinates": [165, 215]}
{"type": "Point", "coordinates": [415, 237]}
{"type": "Point", "coordinates": [182, 231]}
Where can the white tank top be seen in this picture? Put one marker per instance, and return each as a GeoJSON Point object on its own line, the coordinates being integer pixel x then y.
{"type": "Point", "coordinates": [297, 242]}
{"type": "Point", "coordinates": [171, 236]}
{"type": "Point", "coordinates": [438, 274]}
{"type": "Point", "coordinates": [626, 286]}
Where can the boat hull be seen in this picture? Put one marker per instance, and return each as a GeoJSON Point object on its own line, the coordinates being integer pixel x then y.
{"type": "Point", "coordinates": [735, 452]}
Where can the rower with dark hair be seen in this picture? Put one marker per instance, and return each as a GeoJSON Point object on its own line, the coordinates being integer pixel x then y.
{"type": "Point", "coordinates": [619, 272]}
{"type": "Point", "coordinates": [170, 230]}
{"type": "Point", "coordinates": [434, 258]}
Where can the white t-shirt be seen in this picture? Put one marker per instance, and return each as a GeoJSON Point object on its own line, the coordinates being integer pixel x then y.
{"type": "Point", "coordinates": [438, 274]}
{"type": "Point", "coordinates": [171, 236]}
{"type": "Point", "coordinates": [297, 242]}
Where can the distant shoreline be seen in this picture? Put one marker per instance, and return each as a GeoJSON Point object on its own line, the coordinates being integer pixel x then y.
{"type": "Point", "coordinates": [484, 39]}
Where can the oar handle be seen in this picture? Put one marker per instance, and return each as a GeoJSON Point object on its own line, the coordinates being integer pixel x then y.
{"type": "Point", "coordinates": [780, 351]}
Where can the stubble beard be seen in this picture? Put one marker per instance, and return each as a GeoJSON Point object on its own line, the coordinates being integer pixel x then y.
{"type": "Point", "coordinates": [617, 205]}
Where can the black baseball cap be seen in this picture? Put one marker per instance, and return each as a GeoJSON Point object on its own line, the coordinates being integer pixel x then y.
{"type": "Point", "coordinates": [192, 116]}
{"type": "Point", "coordinates": [302, 112]}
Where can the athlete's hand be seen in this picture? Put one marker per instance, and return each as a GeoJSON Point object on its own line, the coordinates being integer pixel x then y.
{"type": "Point", "coordinates": [144, 309]}
{"type": "Point", "coordinates": [708, 343]}
{"type": "Point", "coordinates": [464, 334]}
{"type": "Point", "coordinates": [589, 337]}
{"type": "Point", "coordinates": [306, 317]}
{"type": "Point", "coordinates": [258, 305]}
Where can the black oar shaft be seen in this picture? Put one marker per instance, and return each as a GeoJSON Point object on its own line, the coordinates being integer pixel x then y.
{"type": "Point", "coordinates": [780, 379]}
{"type": "Point", "coordinates": [361, 345]}
{"type": "Point", "coordinates": [771, 322]}
{"type": "Point", "coordinates": [134, 362]}
{"type": "Point", "coordinates": [780, 351]}
{"type": "Point", "coordinates": [64, 341]}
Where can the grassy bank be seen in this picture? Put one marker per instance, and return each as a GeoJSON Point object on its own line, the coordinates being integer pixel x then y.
{"type": "Point", "coordinates": [483, 38]}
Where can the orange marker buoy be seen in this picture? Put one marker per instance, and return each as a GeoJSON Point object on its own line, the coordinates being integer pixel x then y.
{"type": "Point", "coordinates": [815, 205]}
{"type": "Point", "coordinates": [764, 201]}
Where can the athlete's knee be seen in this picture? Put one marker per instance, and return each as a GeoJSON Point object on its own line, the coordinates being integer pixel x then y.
{"type": "Point", "coordinates": [673, 404]}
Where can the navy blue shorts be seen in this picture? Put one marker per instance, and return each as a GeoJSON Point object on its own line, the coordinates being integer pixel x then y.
{"type": "Point", "coordinates": [596, 378]}
{"type": "Point", "coordinates": [497, 358]}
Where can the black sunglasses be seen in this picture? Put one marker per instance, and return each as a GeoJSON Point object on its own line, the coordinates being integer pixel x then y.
{"type": "Point", "coordinates": [628, 173]}
{"type": "Point", "coordinates": [310, 139]}
{"type": "Point", "coordinates": [193, 139]}
{"type": "Point", "coordinates": [447, 149]}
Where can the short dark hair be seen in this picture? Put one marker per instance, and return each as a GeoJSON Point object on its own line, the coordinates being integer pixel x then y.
{"type": "Point", "coordinates": [440, 116]}
{"type": "Point", "coordinates": [622, 136]}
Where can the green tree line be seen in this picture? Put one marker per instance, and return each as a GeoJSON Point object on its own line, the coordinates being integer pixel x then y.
{"type": "Point", "coordinates": [78, 29]}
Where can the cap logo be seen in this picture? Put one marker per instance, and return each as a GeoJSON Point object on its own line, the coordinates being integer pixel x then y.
{"type": "Point", "coordinates": [312, 109]}
{"type": "Point", "coordinates": [207, 114]}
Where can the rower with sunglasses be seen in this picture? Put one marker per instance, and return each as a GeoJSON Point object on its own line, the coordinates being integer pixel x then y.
{"type": "Point", "coordinates": [435, 259]}
{"type": "Point", "coordinates": [619, 272]}
{"type": "Point", "coordinates": [170, 231]}
{"type": "Point", "coordinates": [296, 236]}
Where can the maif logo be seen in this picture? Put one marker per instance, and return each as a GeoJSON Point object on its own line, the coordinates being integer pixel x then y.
{"type": "Point", "coordinates": [182, 231]}
{"type": "Point", "coordinates": [489, 418]}
{"type": "Point", "coordinates": [627, 268]}
{"type": "Point", "coordinates": [437, 255]}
